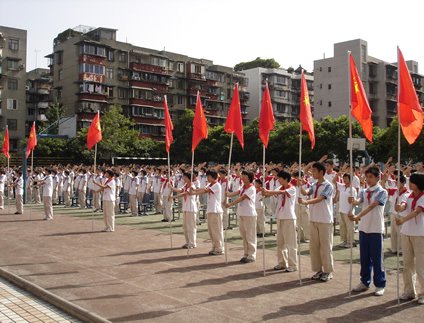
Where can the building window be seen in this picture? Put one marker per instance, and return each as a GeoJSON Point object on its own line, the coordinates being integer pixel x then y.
{"type": "Point", "coordinates": [281, 79]}
{"type": "Point", "coordinates": [122, 93]}
{"type": "Point", "coordinates": [109, 73]}
{"type": "Point", "coordinates": [320, 68]}
{"type": "Point", "coordinates": [180, 99]}
{"type": "Point", "coordinates": [329, 86]}
{"type": "Point", "coordinates": [122, 57]}
{"type": "Point", "coordinates": [329, 69]}
{"type": "Point", "coordinates": [12, 64]}
{"type": "Point", "coordinates": [110, 56]}
{"type": "Point", "coordinates": [12, 104]}
{"type": "Point", "coordinates": [320, 102]}
{"type": "Point", "coordinates": [180, 67]}
{"type": "Point", "coordinates": [12, 124]}
{"type": "Point", "coordinates": [13, 44]}
{"type": "Point", "coordinates": [93, 69]}
{"type": "Point", "coordinates": [60, 74]}
{"type": "Point", "coordinates": [12, 84]}
{"type": "Point", "coordinates": [329, 104]}
{"type": "Point", "coordinates": [59, 57]}
{"type": "Point", "coordinates": [320, 85]}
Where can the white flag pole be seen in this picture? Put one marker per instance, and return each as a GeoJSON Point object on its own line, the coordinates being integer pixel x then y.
{"type": "Point", "coordinates": [227, 225]}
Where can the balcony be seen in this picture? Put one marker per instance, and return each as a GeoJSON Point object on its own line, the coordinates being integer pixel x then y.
{"type": "Point", "coordinates": [202, 93]}
{"type": "Point", "coordinates": [88, 77]}
{"type": "Point", "coordinates": [43, 105]}
{"type": "Point", "coordinates": [88, 59]}
{"type": "Point", "coordinates": [141, 85]}
{"type": "Point", "coordinates": [41, 117]}
{"type": "Point", "coordinates": [146, 103]}
{"type": "Point", "coordinates": [197, 77]}
{"type": "Point", "coordinates": [148, 68]}
{"type": "Point", "coordinates": [244, 96]}
{"type": "Point", "coordinates": [93, 97]}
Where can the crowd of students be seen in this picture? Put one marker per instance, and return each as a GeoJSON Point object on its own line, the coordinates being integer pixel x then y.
{"type": "Point", "coordinates": [304, 203]}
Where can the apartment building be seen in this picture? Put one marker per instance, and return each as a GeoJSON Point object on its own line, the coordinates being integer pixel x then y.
{"type": "Point", "coordinates": [38, 95]}
{"type": "Point", "coordinates": [13, 43]}
{"type": "Point", "coordinates": [284, 89]}
{"type": "Point", "coordinates": [91, 71]}
{"type": "Point", "coordinates": [331, 86]}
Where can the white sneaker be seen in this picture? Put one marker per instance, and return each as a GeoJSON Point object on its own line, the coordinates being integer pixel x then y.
{"type": "Point", "coordinates": [379, 291]}
{"type": "Point", "coordinates": [407, 296]}
{"type": "Point", "coordinates": [420, 300]}
{"type": "Point", "coordinates": [361, 287]}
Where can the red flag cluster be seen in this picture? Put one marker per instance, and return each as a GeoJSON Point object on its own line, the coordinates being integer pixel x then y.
{"type": "Point", "coordinates": [200, 127]}
{"type": "Point", "coordinates": [168, 126]}
{"type": "Point", "coordinates": [234, 122]}
{"type": "Point", "coordinates": [266, 117]}
{"type": "Point", "coordinates": [6, 145]}
{"type": "Point", "coordinates": [305, 111]}
{"type": "Point", "coordinates": [32, 140]}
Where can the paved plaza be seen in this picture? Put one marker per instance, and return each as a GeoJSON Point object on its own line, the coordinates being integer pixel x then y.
{"type": "Point", "coordinates": [133, 274]}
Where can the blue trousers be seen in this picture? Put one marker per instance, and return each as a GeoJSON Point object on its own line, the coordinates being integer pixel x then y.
{"type": "Point", "coordinates": [371, 255]}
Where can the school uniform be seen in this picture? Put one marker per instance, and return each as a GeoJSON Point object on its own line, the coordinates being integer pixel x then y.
{"type": "Point", "coordinates": [157, 197]}
{"type": "Point", "coordinates": [321, 226]}
{"type": "Point", "coordinates": [259, 206]}
{"type": "Point", "coordinates": [286, 228]}
{"type": "Point", "coordinates": [67, 190]}
{"type": "Point", "coordinates": [82, 190]}
{"type": "Point", "coordinates": [224, 188]}
{"type": "Point", "coordinates": [109, 196]}
{"type": "Point", "coordinates": [19, 192]}
{"type": "Point", "coordinates": [246, 212]}
{"type": "Point", "coordinates": [189, 218]}
{"type": "Point", "coordinates": [397, 197]}
{"type": "Point", "coordinates": [203, 184]}
{"type": "Point", "coordinates": [48, 197]}
{"type": "Point", "coordinates": [3, 180]}
{"type": "Point", "coordinates": [214, 215]}
{"type": "Point", "coordinates": [412, 232]}
{"type": "Point", "coordinates": [371, 229]}
{"type": "Point", "coordinates": [303, 218]}
{"type": "Point", "coordinates": [347, 227]}
{"type": "Point", "coordinates": [143, 184]}
{"type": "Point", "coordinates": [167, 200]}
{"type": "Point", "coordinates": [134, 182]}
{"type": "Point", "coordinates": [97, 195]}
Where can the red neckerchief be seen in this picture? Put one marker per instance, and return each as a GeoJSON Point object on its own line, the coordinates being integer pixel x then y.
{"type": "Point", "coordinates": [283, 200]}
{"type": "Point", "coordinates": [415, 199]}
{"type": "Point", "coordinates": [108, 181]}
{"type": "Point", "coordinates": [369, 195]}
{"type": "Point", "coordinates": [165, 182]}
{"type": "Point", "coordinates": [245, 188]}
{"type": "Point", "coordinates": [403, 191]}
{"type": "Point", "coordinates": [316, 191]}
{"type": "Point", "coordinates": [209, 187]}
{"type": "Point", "coordinates": [185, 189]}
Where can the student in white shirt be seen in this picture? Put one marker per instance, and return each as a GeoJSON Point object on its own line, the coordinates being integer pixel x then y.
{"type": "Point", "coordinates": [303, 217]}
{"type": "Point", "coordinates": [18, 184]}
{"type": "Point", "coordinates": [223, 180]}
{"type": "Point", "coordinates": [259, 206]}
{"type": "Point", "coordinates": [321, 214]}
{"type": "Point", "coordinates": [97, 194]}
{"type": "Point", "coordinates": [3, 180]}
{"type": "Point", "coordinates": [67, 187]}
{"type": "Point", "coordinates": [167, 198]}
{"type": "Point", "coordinates": [156, 185]}
{"type": "Point", "coordinates": [133, 188]}
{"type": "Point", "coordinates": [246, 212]}
{"type": "Point", "coordinates": [347, 229]}
{"type": "Point", "coordinates": [144, 183]}
{"type": "Point", "coordinates": [189, 211]}
{"type": "Point", "coordinates": [412, 230]}
{"type": "Point", "coordinates": [48, 183]}
{"type": "Point", "coordinates": [286, 222]}
{"type": "Point", "coordinates": [214, 212]}
{"type": "Point", "coordinates": [82, 189]}
{"type": "Point", "coordinates": [108, 188]}
{"type": "Point", "coordinates": [371, 229]}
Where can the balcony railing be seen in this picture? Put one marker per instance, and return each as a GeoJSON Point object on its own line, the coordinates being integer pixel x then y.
{"type": "Point", "coordinates": [148, 103]}
{"type": "Point", "coordinates": [148, 68]}
{"type": "Point", "coordinates": [195, 76]}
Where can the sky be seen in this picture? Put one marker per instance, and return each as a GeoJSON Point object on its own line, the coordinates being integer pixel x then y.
{"type": "Point", "coordinates": [229, 31]}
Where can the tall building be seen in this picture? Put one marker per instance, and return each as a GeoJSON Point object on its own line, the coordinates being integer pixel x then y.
{"type": "Point", "coordinates": [13, 43]}
{"type": "Point", "coordinates": [38, 95]}
{"type": "Point", "coordinates": [379, 79]}
{"type": "Point", "coordinates": [92, 70]}
{"type": "Point", "coordinates": [284, 89]}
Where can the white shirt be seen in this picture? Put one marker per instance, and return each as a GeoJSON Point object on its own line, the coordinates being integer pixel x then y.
{"type": "Point", "coordinates": [247, 206]}
{"type": "Point", "coordinates": [396, 199]}
{"type": "Point", "coordinates": [345, 193]}
{"type": "Point", "coordinates": [83, 182]}
{"type": "Point", "coordinates": [214, 204]}
{"type": "Point", "coordinates": [373, 222]}
{"type": "Point", "coordinates": [19, 188]}
{"type": "Point", "coordinates": [415, 226]}
{"type": "Point", "coordinates": [144, 181]}
{"type": "Point", "coordinates": [189, 201]}
{"type": "Point", "coordinates": [236, 183]}
{"type": "Point", "coordinates": [48, 186]}
{"type": "Point", "coordinates": [156, 184]}
{"type": "Point", "coordinates": [321, 212]}
{"type": "Point", "coordinates": [3, 180]}
{"type": "Point", "coordinates": [285, 204]}
{"type": "Point", "coordinates": [109, 192]}
{"type": "Point", "coordinates": [330, 177]}
{"type": "Point", "coordinates": [133, 185]}
{"type": "Point", "coordinates": [166, 190]}
{"type": "Point", "coordinates": [259, 200]}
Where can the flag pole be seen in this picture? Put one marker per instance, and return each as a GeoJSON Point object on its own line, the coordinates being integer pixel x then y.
{"type": "Point", "coordinates": [298, 205]}
{"type": "Point", "coordinates": [191, 183]}
{"type": "Point", "coordinates": [263, 233]}
{"type": "Point", "coordinates": [229, 170]}
{"type": "Point", "coordinates": [351, 166]}
{"type": "Point", "coordinates": [26, 191]}
{"type": "Point", "coordinates": [7, 184]}
{"type": "Point", "coordinates": [94, 171]}
{"type": "Point", "coordinates": [169, 182]}
{"type": "Point", "coordinates": [398, 184]}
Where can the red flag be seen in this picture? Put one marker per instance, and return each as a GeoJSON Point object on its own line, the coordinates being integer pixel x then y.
{"type": "Point", "coordinates": [266, 117]}
{"type": "Point", "coordinates": [360, 107]}
{"type": "Point", "coordinates": [305, 111]}
{"type": "Point", "coordinates": [94, 132]}
{"type": "Point", "coordinates": [200, 127]}
{"type": "Point", "coordinates": [32, 140]}
{"type": "Point", "coordinates": [234, 123]}
{"type": "Point", "coordinates": [6, 146]}
{"type": "Point", "coordinates": [410, 113]}
{"type": "Point", "coordinates": [168, 127]}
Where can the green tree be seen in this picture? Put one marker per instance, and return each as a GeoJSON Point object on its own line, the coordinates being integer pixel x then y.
{"type": "Point", "coordinates": [54, 113]}
{"type": "Point", "coordinates": [258, 62]}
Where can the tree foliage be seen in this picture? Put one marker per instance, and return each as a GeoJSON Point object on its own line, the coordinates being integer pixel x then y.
{"type": "Point", "coordinates": [258, 62]}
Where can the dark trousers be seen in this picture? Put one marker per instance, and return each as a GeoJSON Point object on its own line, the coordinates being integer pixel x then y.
{"type": "Point", "coordinates": [371, 255]}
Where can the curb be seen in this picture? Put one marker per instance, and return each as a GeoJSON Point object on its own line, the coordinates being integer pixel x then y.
{"type": "Point", "coordinates": [63, 304]}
